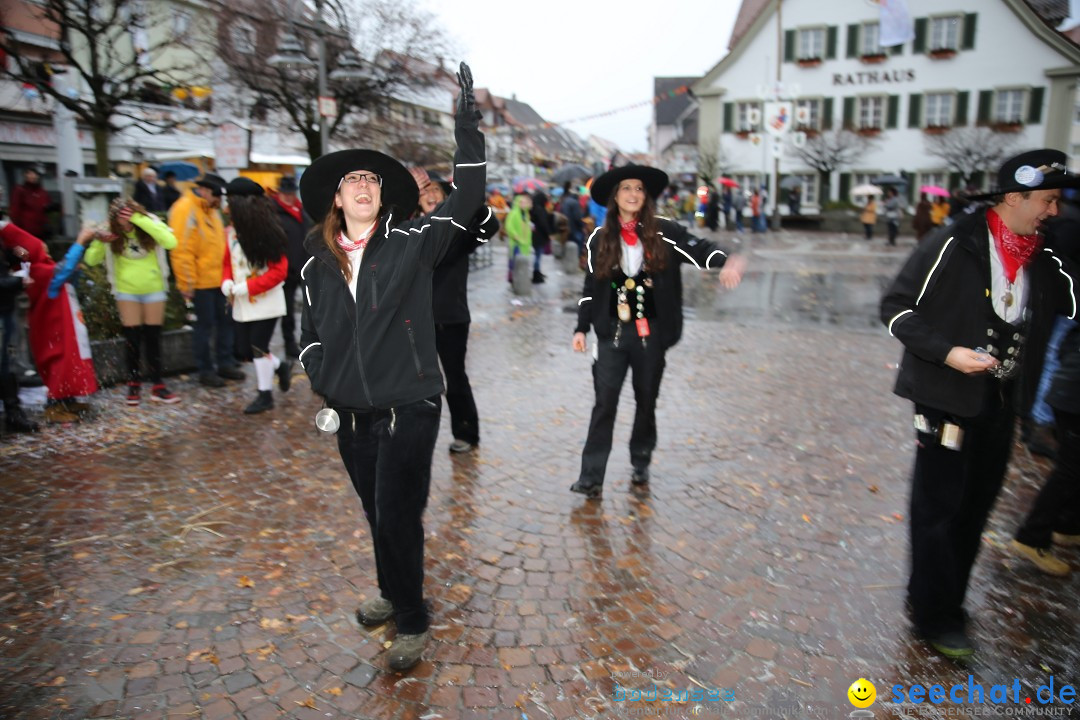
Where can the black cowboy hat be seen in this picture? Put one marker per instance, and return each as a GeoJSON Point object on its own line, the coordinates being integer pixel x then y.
{"type": "Point", "coordinates": [655, 181]}
{"type": "Point", "coordinates": [442, 182]}
{"type": "Point", "coordinates": [215, 183]}
{"type": "Point", "coordinates": [320, 182]}
{"type": "Point", "coordinates": [287, 184]}
{"type": "Point", "coordinates": [243, 187]}
{"type": "Point", "coordinates": [1044, 169]}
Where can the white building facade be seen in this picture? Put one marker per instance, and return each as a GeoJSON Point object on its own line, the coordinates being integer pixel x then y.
{"type": "Point", "coordinates": [971, 63]}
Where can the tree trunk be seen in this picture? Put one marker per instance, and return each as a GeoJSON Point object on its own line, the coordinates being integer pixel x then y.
{"type": "Point", "coordinates": [101, 150]}
{"type": "Point", "coordinates": [314, 143]}
{"type": "Point", "coordinates": [826, 191]}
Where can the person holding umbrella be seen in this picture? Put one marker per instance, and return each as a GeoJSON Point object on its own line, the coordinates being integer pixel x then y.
{"type": "Point", "coordinates": [632, 299]}
{"type": "Point", "coordinates": [368, 346]}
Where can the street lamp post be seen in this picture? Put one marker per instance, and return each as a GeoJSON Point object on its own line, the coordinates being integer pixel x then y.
{"type": "Point", "coordinates": [290, 53]}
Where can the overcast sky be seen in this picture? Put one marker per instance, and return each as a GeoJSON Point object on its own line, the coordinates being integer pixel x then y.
{"type": "Point", "coordinates": [573, 59]}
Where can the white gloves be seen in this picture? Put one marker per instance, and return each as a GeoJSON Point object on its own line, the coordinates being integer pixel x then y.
{"type": "Point", "coordinates": [234, 289]}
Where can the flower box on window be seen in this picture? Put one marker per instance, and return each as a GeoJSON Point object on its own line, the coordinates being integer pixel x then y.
{"type": "Point", "coordinates": [1007, 127]}
{"type": "Point", "coordinates": [868, 131]}
{"type": "Point", "coordinates": [942, 53]}
{"type": "Point", "coordinates": [809, 62]}
{"type": "Point", "coordinates": [742, 134]}
{"type": "Point", "coordinates": [873, 58]}
{"type": "Point", "coordinates": [936, 129]}
{"type": "Point", "coordinates": [811, 132]}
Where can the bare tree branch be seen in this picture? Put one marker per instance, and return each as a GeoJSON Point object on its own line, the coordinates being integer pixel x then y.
{"type": "Point", "coordinates": [968, 150]}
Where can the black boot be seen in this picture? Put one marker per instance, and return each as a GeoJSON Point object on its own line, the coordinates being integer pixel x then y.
{"type": "Point", "coordinates": [262, 403]}
{"type": "Point", "coordinates": [284, 374]}
{"type": "Point", "coordinates": [538, 277]}
{"type": "Point", "coordinates": [15, 419]}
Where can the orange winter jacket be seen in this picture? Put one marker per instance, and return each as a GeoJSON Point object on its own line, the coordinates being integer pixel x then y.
{"type": "Point", "coordinates": [200, 244]}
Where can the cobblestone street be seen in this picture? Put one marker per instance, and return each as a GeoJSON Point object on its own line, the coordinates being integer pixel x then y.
{"type": "Point", "coordinates": [188, 560]}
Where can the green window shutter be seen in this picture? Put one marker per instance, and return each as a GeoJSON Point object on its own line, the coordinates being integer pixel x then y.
{"type": "Point", "coordinates": [892, 112]}
{"type": "Point", "coordinates": [826, 114]}
{"type": "Point", "coordinates": [978, 178]}
{"type": "Point", "coordinates": [919, 44]}
{"type": "Point", "coordinates": [961, 108]}
{"type": "Point", "coordinates": [845, 186]}
{"type": "Point", "coordinates": [789, 46]}
{"type": "Point", "coordinates": [955, 179]}
{"type": "Point", "coordinates": [1035, 103]}
{"type": "Point", "coordinates": [968, 41]}
{"type": "Point", "coordinates": [831, 37]}
{"type": "Point", "coordinates": [849, 113]}
{"type": "Point", "coordinates": [729, 113]}
{"type": "Point", "coordinates": [986, 101]}
{"type": "Point", "coordinates": [897, 49]}
{"type": "Point", "coordinates": [852, 41]}
{"type": "Point", "coordinates": [914, 115]}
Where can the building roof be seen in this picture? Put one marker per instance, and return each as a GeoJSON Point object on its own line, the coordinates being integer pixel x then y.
{"type": "Point", "coordinates": [668, 109]}
{"type": "Point", "coordinates": [748, 12]}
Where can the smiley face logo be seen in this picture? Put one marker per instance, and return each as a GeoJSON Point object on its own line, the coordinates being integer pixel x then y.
{"type": "Point", "coordinates": [862, 693]}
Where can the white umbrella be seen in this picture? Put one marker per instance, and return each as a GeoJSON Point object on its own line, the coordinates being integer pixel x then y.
{"type": "Point", "coordinates": [866, 190]}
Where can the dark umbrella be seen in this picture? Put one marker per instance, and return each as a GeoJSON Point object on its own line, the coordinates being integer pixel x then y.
{"type": "Point", "coordinates": [888, 180]}
{"type": "Point", "coordinates": [184, 170]}
{"type": "Point", "coordinates": [570, 173]}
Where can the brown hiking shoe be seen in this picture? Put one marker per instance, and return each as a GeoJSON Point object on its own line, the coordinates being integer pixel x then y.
{"type": "Point", "coordinates": [406, 651]}
{"type": "Point", "coordinates": [1043, 559]}
{"type": "Point", "coordinates": [375, 611]}
{"type": "Point", "coordinates": [1066, 540]}
{"type": "Point", "coordinates": [57, 413]}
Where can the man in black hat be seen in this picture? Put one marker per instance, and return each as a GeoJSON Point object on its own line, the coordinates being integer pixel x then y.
{"type": "Point", "coordinates": [973, 307]}
{"type": "Point", "coordinates": [296, 224]}
{"type": "Point", "coordinates": [197, 263]}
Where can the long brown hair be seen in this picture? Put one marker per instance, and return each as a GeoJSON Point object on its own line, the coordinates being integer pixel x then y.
{"type": "Point", "coordinates": [119, 234]}
{"type": "Point", "coordinates": [330, 229]}
{"type": "Point", "coordinates": [258, 229]}
{"type": "Point", "coordinates": [609, 246]}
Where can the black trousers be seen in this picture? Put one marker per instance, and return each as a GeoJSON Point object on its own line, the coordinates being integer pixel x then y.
{"type": "Point", "coordinates": [952, 494]}
{"type": "Point", "coordinates": [609, 373]}
{"type": "Point", "coordinates": [1056, 508]}
{"type": "Point", "coordinates": [388, 456]}
{"type": "Point", "coordinates": [288, 322]}
{"type": "Point", "coordinates": [451, 342]}
{"type": "Point", "coordinates": [253, 338]}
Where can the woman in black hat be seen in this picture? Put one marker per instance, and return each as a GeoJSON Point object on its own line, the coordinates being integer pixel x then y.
{"type": "Point", "coordinates": [252, 277]}
{"type": "Point", "coordinates": [368, 345]}
{"type": "Point", "coordinates": [633, 300]}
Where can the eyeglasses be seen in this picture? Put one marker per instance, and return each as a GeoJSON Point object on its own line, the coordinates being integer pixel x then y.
{"type": "Point", "coordinates": [354, 178]}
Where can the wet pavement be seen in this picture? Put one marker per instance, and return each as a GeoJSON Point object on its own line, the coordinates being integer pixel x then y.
{"type": "Point", "coordinates": [190, 561]}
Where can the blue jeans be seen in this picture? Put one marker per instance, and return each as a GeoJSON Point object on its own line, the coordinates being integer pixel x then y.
{"type": "Point", "coordinates": [1040, 411]}
{"type": "Point", "coordinates": [213, 317]}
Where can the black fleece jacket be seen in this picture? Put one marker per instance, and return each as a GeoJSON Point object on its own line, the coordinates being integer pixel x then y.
{"type": "Point", "coordinates": [378, 351]}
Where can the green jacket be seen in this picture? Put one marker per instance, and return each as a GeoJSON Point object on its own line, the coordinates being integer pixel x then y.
{"type": "Point", "coordinates": [518, 228]}
{"type": "Point", "coordinates": [136, 271]}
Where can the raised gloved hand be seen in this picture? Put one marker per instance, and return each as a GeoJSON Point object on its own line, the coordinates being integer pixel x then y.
{"type": "Point", "coordinates": [467, 114]}
{"type": "Point", "coordinates": [240, 289]}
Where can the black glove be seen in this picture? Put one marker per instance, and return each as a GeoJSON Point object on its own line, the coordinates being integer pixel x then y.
{"type": "Point", "coordinates": [466, 105]}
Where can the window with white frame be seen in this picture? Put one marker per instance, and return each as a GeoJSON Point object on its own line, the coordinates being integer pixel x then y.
{"type": "Point", "coordinates": [243, 38]}
{"type": "Point", "coordinates": [939, 178]}
{"type": "Point", "coordinates": [871, 112]}
{"type": "Point", "coordinates": [747, 181]}
{"type": "Point", "coordinates": [1009, 106]}
{"type": "Point", "coordinates": [939, 109]}
{"type": "Point", "coordinates": [811, 45]}
{"type": "Point", "coordinates": [812, 108]}
{"type": "Point", "coordinates": [871, 39]}
{"type": "Point", "coordinates": [181, 23]}
{"type": "Point", "coordinates": [944, 33]}
{"type": "Point", "coordinates": [809, 195]}
{"type": "Point", "coordinates": [747, 116]}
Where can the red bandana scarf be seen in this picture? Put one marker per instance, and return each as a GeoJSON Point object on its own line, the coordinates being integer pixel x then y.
{"type": "Point", "coordinates": [294, 208]}
{"type": "Point", "coordinates": [1015, 250]}
{"type": "Point", "coordinates": [629, 232]}
{"type": "Point", "coordinates": [349, 246]}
